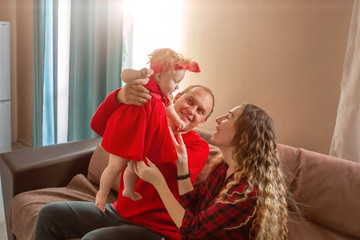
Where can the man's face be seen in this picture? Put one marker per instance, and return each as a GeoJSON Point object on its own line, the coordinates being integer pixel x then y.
{"type": "Point", "coordinates": [193, 107]}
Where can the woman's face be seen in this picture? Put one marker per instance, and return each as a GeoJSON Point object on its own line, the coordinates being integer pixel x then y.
{"type": "Point", "coordinates": [225, 128]}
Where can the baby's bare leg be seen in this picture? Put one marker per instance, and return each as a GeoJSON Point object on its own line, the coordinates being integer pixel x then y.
{"type": "Point", "coordinates": [130, 179]}
{"type": "Point", "coordinates": [115, 167]}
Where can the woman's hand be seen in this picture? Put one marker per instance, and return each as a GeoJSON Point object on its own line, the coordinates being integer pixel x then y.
{"type": "Point", "coordinates": [182, 162]}
{"type": "Point", "coordinates": [149, 173]}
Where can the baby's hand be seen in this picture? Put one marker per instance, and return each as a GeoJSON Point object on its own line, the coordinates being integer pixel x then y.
{"type": "Point", "coordinates": [145, 73]}
{"type": "Point", "coordinates": [180, 124]}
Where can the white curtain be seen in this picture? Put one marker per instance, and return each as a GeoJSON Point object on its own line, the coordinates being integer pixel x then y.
{"type": "Point", "coordinates": [346, 139]}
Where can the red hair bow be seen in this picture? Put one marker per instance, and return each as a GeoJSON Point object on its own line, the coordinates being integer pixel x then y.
{"type": "Point", "coordinates": [191, 66]}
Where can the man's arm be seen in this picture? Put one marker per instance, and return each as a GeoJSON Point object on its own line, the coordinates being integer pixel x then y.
{"type": "Point", "coordinates": [103, 113]}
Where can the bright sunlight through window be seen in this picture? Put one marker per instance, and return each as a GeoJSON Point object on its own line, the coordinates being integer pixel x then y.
{"type": "Point", "coordinates": [156, 24]}
{"type": "Point", "coordinates": [64, 10]}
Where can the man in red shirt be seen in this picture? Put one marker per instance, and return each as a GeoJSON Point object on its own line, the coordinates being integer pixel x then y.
{"type": "Point", "coordinates": [194, 105]}
{"type": "Point", "coordinates": [146, 218]}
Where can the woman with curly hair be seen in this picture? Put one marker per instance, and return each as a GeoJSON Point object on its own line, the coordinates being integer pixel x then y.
{"type": "Point", "coordinates": [244, 197]}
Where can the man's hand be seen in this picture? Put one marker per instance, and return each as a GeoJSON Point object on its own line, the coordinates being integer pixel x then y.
{"type": "Point", "coordinates": [133, 94]}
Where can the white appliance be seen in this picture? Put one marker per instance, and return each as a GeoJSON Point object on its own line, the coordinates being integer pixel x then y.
{"type": "Point", "coordinates": [5, 105]}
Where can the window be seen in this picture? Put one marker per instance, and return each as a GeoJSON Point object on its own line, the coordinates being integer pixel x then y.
{"type": "Point", "coordinates": [156, 24]}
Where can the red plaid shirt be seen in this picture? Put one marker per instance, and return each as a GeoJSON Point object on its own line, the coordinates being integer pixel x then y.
{"type": "Point", "coordinates": [206, 219]}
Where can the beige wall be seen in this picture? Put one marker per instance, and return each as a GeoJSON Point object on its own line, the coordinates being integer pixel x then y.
{"type": "Point", "coordinates": [285, 56]}
{"type": "Point", "coordinates": [25, 69]}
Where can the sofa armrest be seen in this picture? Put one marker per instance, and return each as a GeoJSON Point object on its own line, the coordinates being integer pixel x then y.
{"type": "Point", "coordinates": [42, 167]}
{"type": "Point", "coordinates": [49, 166]}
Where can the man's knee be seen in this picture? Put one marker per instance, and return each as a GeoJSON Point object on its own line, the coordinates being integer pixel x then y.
{"type": "Point", "coordinates": [46, 221]}
{"type": "Point", "coordinates": [51, 209]}
{"type": "Point", "coordinates": [123, 232]}
{"type": "Point", "coordinates": [93, 235]}
{"type": "Point", "coordinates": [47, 211]}
{"type": "Point", "coordinates": [52, 214]}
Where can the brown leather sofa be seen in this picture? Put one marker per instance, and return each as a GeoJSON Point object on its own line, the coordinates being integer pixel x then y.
{"type": "Point", "coordinates": [326, 188]}
{"type": "Point", "coordinates": [44, 167]}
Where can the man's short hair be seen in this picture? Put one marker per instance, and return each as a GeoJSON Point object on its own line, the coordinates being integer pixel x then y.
{"type": "Point", "coordinates": [206, 90]}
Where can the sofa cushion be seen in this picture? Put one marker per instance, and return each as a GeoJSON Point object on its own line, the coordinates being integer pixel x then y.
{"type": "Point", "coordinates": [327, 188]}
{"type": "Point", "coordinates": [98, 162]}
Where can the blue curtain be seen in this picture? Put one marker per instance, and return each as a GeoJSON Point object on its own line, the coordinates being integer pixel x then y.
{"type": "Point", "coordinates": [45, 72]}
{"type": "Point", "coordinates": [95, 60]}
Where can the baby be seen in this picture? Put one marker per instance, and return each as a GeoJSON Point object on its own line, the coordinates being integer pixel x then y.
{"type": "Point", "coordinates": [134, 133]}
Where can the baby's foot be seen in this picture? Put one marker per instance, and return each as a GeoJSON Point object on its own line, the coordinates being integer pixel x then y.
{"type": "Point", "coordinates": [100, 201]}
{"type": "Point", "coordinates": [133, 195]}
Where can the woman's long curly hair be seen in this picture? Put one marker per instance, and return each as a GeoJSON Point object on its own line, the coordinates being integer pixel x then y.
{"type": "Point", "coordinates": [257, 161]}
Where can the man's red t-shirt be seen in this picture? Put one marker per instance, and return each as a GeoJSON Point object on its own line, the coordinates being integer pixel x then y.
{"type": "Point", "coordinates": [150, 211]}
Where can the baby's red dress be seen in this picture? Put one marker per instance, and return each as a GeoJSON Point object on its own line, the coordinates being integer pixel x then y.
{"type": "Point", "coordinates": [134, 132]}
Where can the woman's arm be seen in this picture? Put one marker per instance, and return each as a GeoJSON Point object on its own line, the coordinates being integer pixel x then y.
{"type": "Point", "coordinates": [217, 217]}
{"type": "Point", "coordinates": [150, 173]}
{"type": "Point", "coordinates": [201, 223]}
{"type": "Point", "coordinates": [184, 184]}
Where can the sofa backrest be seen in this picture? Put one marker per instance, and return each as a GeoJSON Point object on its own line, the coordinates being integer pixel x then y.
{"type": "Point", "coordinates": [98, 162]}
{"type": "Point", "coordinates": [327, 188]}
